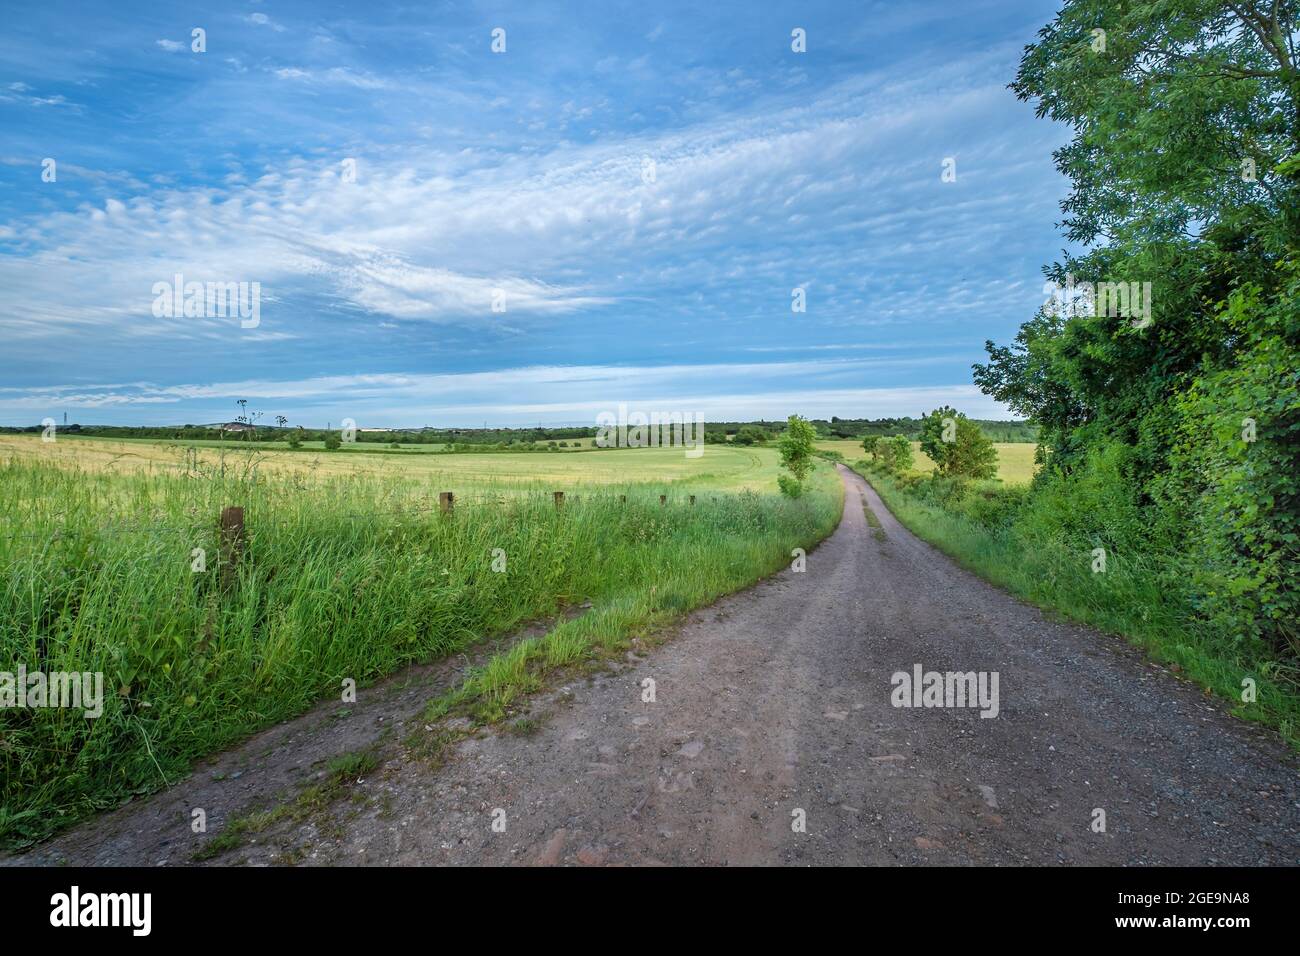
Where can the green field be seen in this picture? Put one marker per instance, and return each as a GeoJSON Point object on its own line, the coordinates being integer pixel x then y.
{"type": "Point", "coordinates": [1015, 459]}
{"type": "Point", "coordinates": [346, 569]}
{"type": "Point", "coordinates": [719, 467]}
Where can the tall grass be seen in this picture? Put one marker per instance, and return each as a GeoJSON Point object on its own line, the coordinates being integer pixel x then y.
{"type": "Point", "coordinates": [1019, 543]}
{"type": "Point", "coordinates": [339, 578]}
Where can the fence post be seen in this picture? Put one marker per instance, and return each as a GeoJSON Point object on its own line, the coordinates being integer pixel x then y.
{"type": "Point", "coordinates": [663, 500]}
{"type": "Point", "coordinates": [446, 501]}
{"type": "Point", "coordinates": [559, 499]}
{"type": "Point", "coordinates": [232, 541]}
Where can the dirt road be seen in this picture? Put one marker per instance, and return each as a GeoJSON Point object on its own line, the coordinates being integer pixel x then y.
{"type": "Point", "coordinates": [774, 707]}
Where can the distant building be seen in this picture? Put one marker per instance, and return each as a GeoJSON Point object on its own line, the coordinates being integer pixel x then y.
{"type": "Point", "coordinates": [236, 427]}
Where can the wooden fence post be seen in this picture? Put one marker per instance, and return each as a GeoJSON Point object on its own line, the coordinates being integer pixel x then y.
{"type": "Point", "coordinates": [446, 501]}
{"type": "Point", "coordinates": [559, 499]}
{"type": "Point", "coordinates": [232, 541]}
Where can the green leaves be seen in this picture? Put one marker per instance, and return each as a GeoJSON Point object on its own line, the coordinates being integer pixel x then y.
{"type": "Point", "coordinates": [796, 445]}
{"type": "Point", "coordinates": [1166, 114]}
{"type": "Point", "coordinates": [957, 446]}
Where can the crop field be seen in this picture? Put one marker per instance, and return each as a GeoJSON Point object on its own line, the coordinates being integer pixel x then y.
{"type": "Point", "coordinates": [719, 468]}
{"type": "Point", "coordinates": [1015, 459]}
{"type": "Point", "coordinates": [345, 568]}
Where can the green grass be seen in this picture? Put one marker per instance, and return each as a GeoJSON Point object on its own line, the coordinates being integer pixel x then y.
{"type": "Point", "coordinates": [877, 529]}
{"type": "Point", "coordinates": [340, 773]}
{"type": "Point", "coordinates": [347, 575]}
{"type": "Point", "coordinates": [1137, 597]}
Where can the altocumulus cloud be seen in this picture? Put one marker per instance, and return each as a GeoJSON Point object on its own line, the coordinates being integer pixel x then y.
{"type": "Point", "coordinates": [681, 239]}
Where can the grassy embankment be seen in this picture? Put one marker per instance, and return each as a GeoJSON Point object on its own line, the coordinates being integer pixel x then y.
{"type": "Point", "coordinates": [348, 574]}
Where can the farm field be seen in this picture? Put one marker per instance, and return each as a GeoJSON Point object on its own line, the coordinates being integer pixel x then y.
{"type": "Point", "coordinates": [719, 468]}
{"type": "Point", "coordinates": [1015, 459]}
{"type": "Point", "coordinates": [345, 569]}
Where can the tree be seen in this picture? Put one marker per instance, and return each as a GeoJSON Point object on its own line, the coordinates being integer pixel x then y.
{"type": "Point", "coordinates": [295, 437]}
{"type": "Point", "coordinates": [751, 435]}
{"type": "Point", "coordinates": [1182, 113]}
{"type": "Point", "coordinates": [898, 454]}
{"type": "Point", "coordinates": [796, 445]}
{"type": "Point", "coordinates": [871, 445]}
{"type": "Point", "coordinates": [957, 446]}
{"type": "Point", "coordinates": [333, 441]}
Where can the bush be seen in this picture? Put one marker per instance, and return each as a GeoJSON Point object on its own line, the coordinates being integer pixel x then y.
{"type": "Point", "coordinates": [1238, 472]}
{"type": "Point", "coordinates": [957, 446]}
{"type": "Point", "coordinates": [896, 453]}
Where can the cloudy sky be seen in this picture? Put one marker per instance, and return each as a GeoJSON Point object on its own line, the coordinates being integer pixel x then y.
{"type": "Point", "coordinates": [616, 208]}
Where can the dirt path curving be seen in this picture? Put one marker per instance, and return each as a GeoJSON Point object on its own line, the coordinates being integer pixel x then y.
{"type": "Point", "coordinates": [775, 704]}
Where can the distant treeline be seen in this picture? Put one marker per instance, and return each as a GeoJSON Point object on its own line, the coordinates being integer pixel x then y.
{"type": "Point", "coordinates": [714, 432]}
{"type": "Point", "coordinates": [911, 427]}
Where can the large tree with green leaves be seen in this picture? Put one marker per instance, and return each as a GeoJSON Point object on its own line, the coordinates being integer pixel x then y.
{"type": "Point", "coordinates": [1166, 104]}
{"type": "Point", "coordinates": [1182, 111]}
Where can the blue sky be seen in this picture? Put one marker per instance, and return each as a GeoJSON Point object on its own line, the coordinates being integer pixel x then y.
{"type": "Point", "coordinates": [639, 186]}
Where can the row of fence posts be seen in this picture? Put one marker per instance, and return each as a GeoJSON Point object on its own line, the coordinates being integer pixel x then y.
{"type": "Point", "coordinates": [232, 521]}
{"type": "Point", "coordinates": [447, 500]}
{"type": "Point", "coordinates": [233, 537]}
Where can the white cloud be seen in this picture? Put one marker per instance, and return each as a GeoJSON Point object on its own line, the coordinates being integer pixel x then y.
{"type": "Point", "coordinates": [337, 75]}
{"type": "Point", "coordinates": [428, 235]}
{"type": "Point", "coordinates": [262, 20]}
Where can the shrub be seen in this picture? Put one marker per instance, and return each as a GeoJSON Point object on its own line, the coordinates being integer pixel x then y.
{"type": "Point", "coordinates": [957, 446]}
{"type": "Point", "coordinates": [1237, 470]}
{"type": "Point", "coordinates": [897, 454]}
{"type": "Point", "coordinates": [796, 452]}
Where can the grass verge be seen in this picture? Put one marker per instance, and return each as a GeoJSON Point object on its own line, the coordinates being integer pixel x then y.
{"type": "Point", "coordinates": [335, 580]}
